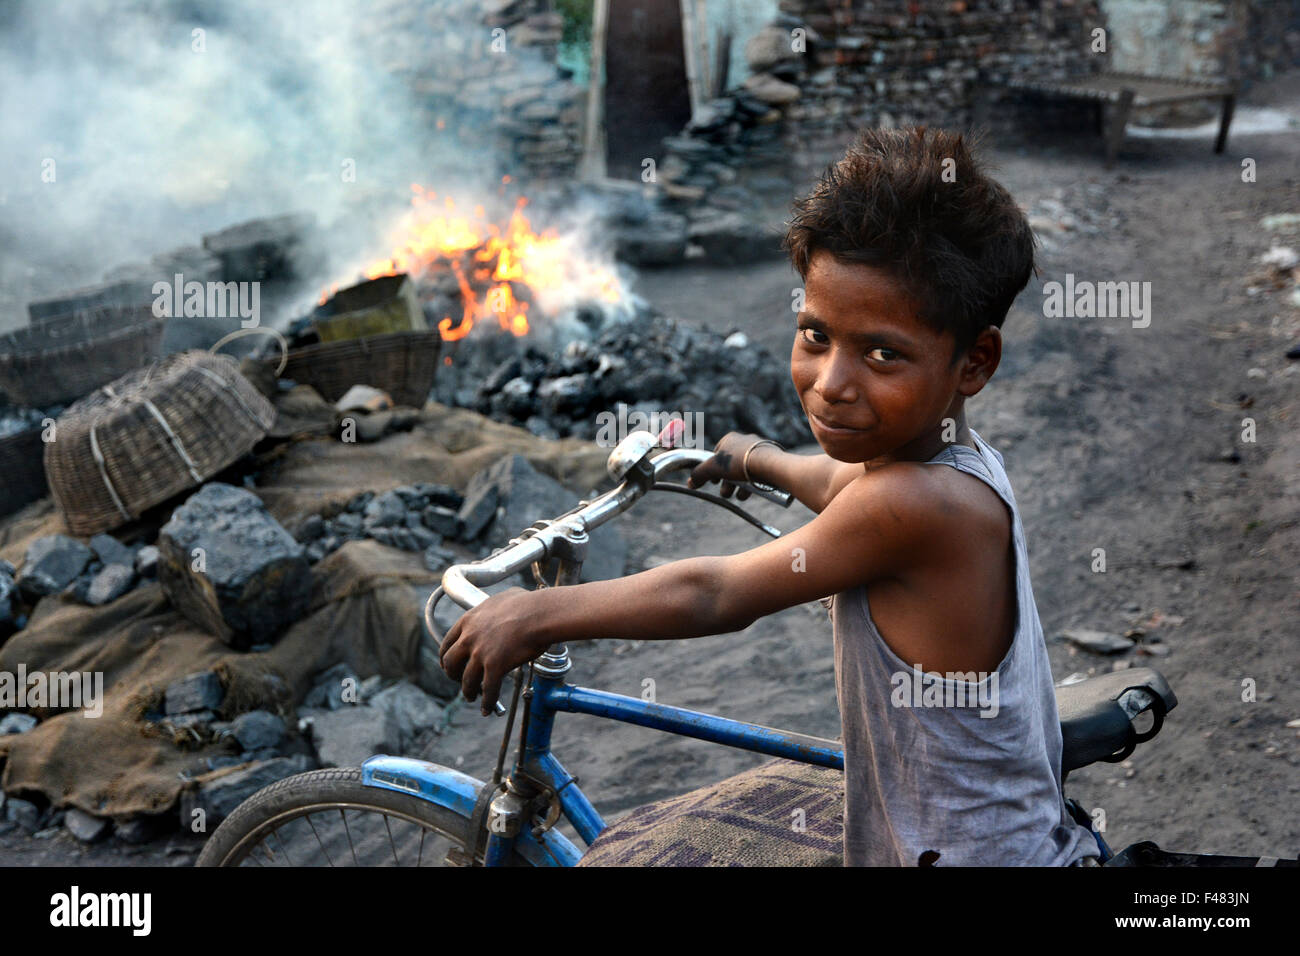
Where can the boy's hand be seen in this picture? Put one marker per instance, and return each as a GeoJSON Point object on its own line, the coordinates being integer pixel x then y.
{"type": "Point", "coordinates": [490, 641]}
{"type": "Point", "coordinates": [726, 465]}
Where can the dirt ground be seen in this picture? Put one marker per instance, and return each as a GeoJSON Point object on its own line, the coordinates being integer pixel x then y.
{"type": "Point", "coordinates": [1120, 438]}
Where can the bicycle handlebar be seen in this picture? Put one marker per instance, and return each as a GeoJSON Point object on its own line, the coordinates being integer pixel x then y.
{"type": "Point", "coordinates": [461, 582]}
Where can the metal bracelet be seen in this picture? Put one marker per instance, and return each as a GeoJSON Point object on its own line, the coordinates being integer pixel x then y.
{"type": "Point", "coordinates": [744, 462]}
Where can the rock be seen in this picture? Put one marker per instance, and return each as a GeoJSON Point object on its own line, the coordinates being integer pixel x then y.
{"type": "Point", "coordinates": [443, 495]}
{"type": "Point", "coordinates": [24, 813]}
{"type": "Point", "coordinates": [146, 561]}
{"type": "Point", "coordinates": [257, 729]}
{"type": "Point", "coordinates": [230, 567]}
{"type": "Point", "coordinates": [111, 551]}
{"type": "Point", "coordinates": [331, 686]}
{"type": "Point", "coordinates": [479, 509]}
{"type": "Point", "coordinates": [442, 520]}
{"type": "Point", "coordinates": [311, 529]}
{"type": "Point", "coordinates": [51, 564]}
{"type": "Point", "coordinates": [658, 239]}
{"type": "Point", "coordinates": [110, 583]}
{"type": "Point", "coordinates": [85, 827]}
{"type": "Point", "coordinates": [199, 720]}
{"type": "Point", "coordinates": [218, 793]}
{"type": "Point", "coordinates": [385, 511]}
{"type": "Point", "coordinates": [1281, 258]}
{"type": "Point", "coordinates": [195, 692]}
{"type": "Point", "coordinates": [16, 723]}
{"type": "Point", "coordinates": [350, 735]}
{"type": "Point", "coordinates": [363, 398]}
{"type": "Point", "coordinates": [768, 89]}
{"type": "Point", "coordinates": [137, 830]}
{"type": "Point", "coordinates": [370, 427]}
{"type": "Point", "coordinates": [411, 709]}
{"type": "Point", "coordinates": [526, 495]}
{"type": "Point", "coordinates": [768, 47]}
{"type": "Point", "coordinates": [438, 558]}
{"type": "Point", "coordinates": [349, 524]}
{"type": "Point", "coordinates": [1099, 642]}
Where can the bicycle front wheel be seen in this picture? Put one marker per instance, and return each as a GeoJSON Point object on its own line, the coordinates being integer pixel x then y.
{"type": "Point", "coordinates": [328, 818]}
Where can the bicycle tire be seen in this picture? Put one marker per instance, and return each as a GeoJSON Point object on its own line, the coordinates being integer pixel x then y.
{"type": "Point", "coordinates": [334, 788]}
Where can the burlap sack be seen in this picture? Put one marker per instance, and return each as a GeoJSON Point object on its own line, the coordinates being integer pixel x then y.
{"type": "Point", "coordinates": [778, 814]}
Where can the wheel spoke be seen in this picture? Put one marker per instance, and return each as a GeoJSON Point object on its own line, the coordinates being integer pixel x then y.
{"type": "Point", "coordinates": [349, 835]}
{"type": "Point", "coordinates": [328, 858]}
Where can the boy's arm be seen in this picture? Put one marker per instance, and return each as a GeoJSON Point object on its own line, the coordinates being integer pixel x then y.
{"type": "Point", "coordinates": [873, 529]}
{"type": "Point", "coordinates": [813, 479]}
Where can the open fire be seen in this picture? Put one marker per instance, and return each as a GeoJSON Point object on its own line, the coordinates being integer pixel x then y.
{"type": "Point", "coordinates": [469, 269]}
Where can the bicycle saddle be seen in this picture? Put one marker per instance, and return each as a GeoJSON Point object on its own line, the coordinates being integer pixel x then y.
{"type": "Point", "coordinates": [1097, 715]}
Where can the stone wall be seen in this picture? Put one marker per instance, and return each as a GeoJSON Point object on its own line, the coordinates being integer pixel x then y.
{"type": "Point", "coordinates": [825, 69]}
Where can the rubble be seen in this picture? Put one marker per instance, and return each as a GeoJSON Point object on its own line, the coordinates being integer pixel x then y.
{"type": "Point", "coordinates": [196, 692]}
{"type": "Point", "coordinates": [23, 813]}
{"type": "Point", "coordinates": [50, 565]}
{"type": "Point", "coordinates": [411, 709]}
{"type": "Point", "coordinates": [83, 826]}
{"type": "Point", "coordinates": [219, 792]}
{"type": "Point", "coordinates": [258, 729]}
{"type": "Point", "coordinates": [16, 723]}
{"type": "Point", "coordinates": [654, 364]}
{"type": "Point", "coordinates": [525, 495]}
{"type": "Point", "coordinates": [230, 567]}
{"type": "Point", "coordinates": [350, 735]}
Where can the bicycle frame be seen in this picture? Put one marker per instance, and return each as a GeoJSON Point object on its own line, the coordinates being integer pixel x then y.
{"type": "Point", "coordinates": [548, 696]}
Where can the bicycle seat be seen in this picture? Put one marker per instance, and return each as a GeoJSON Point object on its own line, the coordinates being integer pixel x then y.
{"type": "Point", "coordinates": [1097, 715]}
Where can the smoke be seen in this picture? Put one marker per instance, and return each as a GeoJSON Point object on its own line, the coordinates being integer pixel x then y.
{"type": "Point", "coordinates": [133, 127]}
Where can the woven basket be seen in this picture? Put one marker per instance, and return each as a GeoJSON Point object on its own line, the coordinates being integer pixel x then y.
{"type": "Point", "coordinates": [22, 474]}
{"type": "Point", "coordinates": [150, 435]}
{"type": "Point", "coordinates": [403, 364]}
{"type": "Point", "coordinates": [69, 356]}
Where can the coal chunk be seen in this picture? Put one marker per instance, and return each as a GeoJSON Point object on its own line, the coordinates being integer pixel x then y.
{"type": "Point", "coordinates": [231, 568]}
{"type": "Point", "coordinates": [194, 693]}
{"type": "Point", "coordinates": [257, 729]}
{"type": "Point", "coordinates": [51, 564]}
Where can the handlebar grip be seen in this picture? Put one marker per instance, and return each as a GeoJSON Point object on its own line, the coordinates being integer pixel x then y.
{"type": "Point", "coordinates": [770, 492]}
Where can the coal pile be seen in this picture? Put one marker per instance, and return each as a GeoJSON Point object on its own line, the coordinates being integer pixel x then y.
{"type": "Point", "coordinates": [652, 364]}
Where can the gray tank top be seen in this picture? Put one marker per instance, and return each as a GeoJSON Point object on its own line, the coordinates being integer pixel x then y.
{"type": "Point", "coordinates": [968, 766]}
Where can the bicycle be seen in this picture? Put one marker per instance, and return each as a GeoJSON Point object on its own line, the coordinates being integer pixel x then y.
{"type": "Point", "coordinates": [510, 820]}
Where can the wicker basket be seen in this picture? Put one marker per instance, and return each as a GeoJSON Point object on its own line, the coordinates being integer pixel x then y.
{"type": "Point", "coordinates": [151, 435]}
{"type": "Point", "coordinates": [69, 356]}
{"type": "Point", "coordinates": [22, 473]}
{"type": "Point", "coordinates": [403, 364]}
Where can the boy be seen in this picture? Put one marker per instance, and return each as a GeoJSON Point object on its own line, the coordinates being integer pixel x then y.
{"type": "Point", "coordinates": [911, 258]}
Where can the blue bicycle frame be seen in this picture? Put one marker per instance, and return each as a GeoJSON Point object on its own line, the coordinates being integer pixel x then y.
{"type": "Point", "coordinates": [547, 696]}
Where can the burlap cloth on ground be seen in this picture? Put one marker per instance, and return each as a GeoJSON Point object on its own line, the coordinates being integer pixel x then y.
{"type": "Point", "coordinates": [781, 813]}
{"type": "Point", "coordinates": [366, 611]}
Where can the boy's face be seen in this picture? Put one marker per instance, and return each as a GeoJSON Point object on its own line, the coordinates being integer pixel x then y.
{"type": "Point", "coordinates": [863, 360]}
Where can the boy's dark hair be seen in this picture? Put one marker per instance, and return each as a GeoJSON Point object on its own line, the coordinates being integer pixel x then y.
{"type": "Point", "coordinates": [958, 243]}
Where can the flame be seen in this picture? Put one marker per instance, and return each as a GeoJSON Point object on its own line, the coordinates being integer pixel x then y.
{"type": "Point", "coordinates": [509, 259]}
